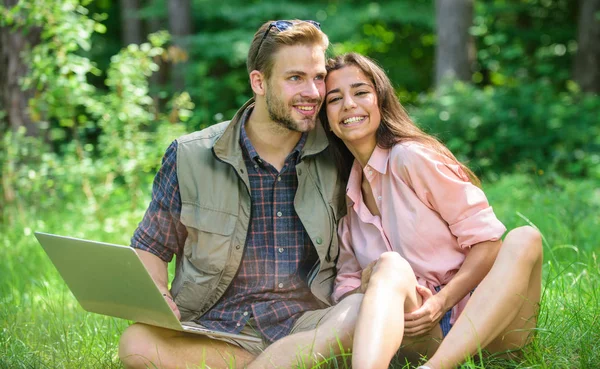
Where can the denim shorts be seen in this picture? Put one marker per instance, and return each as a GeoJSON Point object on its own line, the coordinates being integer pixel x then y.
{"type": "Point", "coordinates": [445, 322]}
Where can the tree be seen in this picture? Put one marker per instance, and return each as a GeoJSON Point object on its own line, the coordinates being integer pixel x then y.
{"type": "Point", "coordinates": [453, 58]}
{"type": "Point", "coordinates": [131, 23]}
{"type": "Point", "coordinates": [13, 99]}
{"type": "Point", "coordinates": [586, 70]}
{"type": "Point", "coordinates": [180, 27]}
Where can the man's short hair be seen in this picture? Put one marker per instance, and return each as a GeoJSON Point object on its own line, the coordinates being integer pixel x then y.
{"type": "Point", "coordinates": [262, 49]}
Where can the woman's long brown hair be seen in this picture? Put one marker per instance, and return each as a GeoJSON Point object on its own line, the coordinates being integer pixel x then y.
{"type": "Point", "coordinates": [396, 126]}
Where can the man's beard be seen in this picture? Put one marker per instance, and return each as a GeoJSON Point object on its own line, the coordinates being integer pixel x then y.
{"type": "Point", "coordinates": [281, 113]}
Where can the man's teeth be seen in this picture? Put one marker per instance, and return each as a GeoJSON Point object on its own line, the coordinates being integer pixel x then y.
{"type": "Point", "coordinates": [306, 108]}
{"type": "Point", "coordinates": [352, 120]}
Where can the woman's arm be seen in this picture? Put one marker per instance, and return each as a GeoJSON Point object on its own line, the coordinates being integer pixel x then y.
{"type": "Point", "coordinates": [444, 187]}
{"type": "Point", "coordinates": [477, 264]}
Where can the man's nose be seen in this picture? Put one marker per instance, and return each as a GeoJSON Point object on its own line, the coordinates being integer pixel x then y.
{"type": "Point", "coordinates": [311, 91]}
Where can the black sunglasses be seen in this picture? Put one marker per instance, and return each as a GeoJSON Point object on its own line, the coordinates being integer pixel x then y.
{"type": "Point", "coordinates": [282, 25]}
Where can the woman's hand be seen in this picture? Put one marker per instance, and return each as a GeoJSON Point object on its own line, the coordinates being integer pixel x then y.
{"type": "Point", "coordinates": [424, 319]}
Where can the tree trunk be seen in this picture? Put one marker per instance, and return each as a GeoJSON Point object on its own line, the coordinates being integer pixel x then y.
{"type": "Point", "coordinates": [180, 27]}
{"type": "Point", "coordinates": [586, 69]}
{"type": "Point", "coordinates": [454, 52]}
{"type": "Point", "coordinates": [131, 24]}
{"type": "Point", "coordinates": [13, 99]}
{"type": "Point", "coordinates": [159, 79]}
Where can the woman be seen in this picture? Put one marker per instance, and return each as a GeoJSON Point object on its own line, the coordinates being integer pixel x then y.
{"type": "Point", "coordinates": [420, 215]}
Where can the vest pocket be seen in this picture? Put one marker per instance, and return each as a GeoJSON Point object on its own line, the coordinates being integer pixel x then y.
{"type": "Point", "coordinates": [209, 237]}
{"type": "Point", "coordinates": [192, 292]}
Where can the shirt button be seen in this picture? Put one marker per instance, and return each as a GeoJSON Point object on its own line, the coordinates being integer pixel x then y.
{"type": "Point", "coordinates": [245, 313]}
{"type": "Point", "coordinates": [278, 179]}
{"type": "Point", "coordinates": [379, 198]}
{"type": "Point", "coordinates": [255, 166]}
{"type": "Point", "coordinates": [238, 324]}
{"type": "Point", "coordinates": [279, 213]}
{"type": "Point", "coordinates": [237, 247]}
{"type": "Point", "coordinates": [280, 285]}
{"type": "Point", "coordinates": [319, 240]}
{"type": "Point", "coordinates": [281, 250]}
{"type": "Point", "coordinates": [299, 171]}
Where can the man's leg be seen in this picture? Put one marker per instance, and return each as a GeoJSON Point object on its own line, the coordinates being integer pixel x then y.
{"type": "Point", "coordinates": [146, 346]}
{"type": "Point", "coordinates": [333, 333]}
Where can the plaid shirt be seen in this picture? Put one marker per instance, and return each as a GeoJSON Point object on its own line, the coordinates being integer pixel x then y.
{"type": "Point", "coordinates": [271, 282]}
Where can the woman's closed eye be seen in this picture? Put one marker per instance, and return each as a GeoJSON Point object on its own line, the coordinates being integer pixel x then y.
{"type": "Point", "coordinates": [334, 99]}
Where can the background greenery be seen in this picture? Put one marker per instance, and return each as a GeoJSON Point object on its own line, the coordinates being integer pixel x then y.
{"type": "Point", "coordinates": [105, 119]}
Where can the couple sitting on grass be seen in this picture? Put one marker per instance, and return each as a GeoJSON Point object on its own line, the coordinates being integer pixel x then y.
{"type": "Point", "coordinates": [319, 219]}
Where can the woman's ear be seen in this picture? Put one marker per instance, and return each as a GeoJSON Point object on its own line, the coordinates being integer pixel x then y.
{"type": "Point", "coordinates": [258, 83]}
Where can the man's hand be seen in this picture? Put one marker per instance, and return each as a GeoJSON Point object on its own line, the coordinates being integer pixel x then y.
{"type": "Point", "coordinates": [172, 305]}
{"type": "Point", "coordinates": [366, 276]}
{"type": "Point", "coordinates": [424, 319]}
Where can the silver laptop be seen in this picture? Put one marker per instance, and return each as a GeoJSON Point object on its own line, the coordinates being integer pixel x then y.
{"type": "Point", "coordinates": [112, 280]}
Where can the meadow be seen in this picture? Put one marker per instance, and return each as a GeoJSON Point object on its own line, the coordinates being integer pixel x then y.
{"type": "Point", "coordinates": [43, 326]}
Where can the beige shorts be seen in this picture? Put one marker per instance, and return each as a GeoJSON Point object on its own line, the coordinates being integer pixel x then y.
{"type": "Point", "coordinates": [307, 321]}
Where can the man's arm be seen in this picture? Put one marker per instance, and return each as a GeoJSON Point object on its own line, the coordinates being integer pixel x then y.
{"type": "Point", "coordinates": [159, 273]}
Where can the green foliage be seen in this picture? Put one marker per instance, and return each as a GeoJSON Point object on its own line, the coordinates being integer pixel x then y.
{"type": "Point", "coordinates": [524, 40]}
{"type": "Point", "coordinates": [528, 128]}
{"type": "Point", "coordinates": [107, 139]}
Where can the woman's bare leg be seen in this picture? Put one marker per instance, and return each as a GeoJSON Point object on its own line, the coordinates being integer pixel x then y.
{"type": "Point", "coordinates": [380, 326]}
{"type": "Point", "coordinates": [503, 309]}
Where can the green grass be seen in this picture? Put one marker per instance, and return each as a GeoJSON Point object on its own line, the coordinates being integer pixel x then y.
{"type": "Point", "coordinates": [42, 325]}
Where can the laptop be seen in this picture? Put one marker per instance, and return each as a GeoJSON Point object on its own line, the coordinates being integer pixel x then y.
{"type": "Point", "coordinates": [112, 280]}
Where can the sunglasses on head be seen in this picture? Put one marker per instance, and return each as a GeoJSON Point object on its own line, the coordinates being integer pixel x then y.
{"type": "Point", "coordinates": [282, 25]}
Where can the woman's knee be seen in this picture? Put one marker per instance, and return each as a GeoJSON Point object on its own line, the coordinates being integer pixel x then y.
{"type": "Point", "coordinates": [393, 269]}
{"type": "Point", "coordinates": [525, 243]}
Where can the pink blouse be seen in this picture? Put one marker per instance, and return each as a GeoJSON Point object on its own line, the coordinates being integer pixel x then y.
{"type": "Point", "coordinates": [430, 214]}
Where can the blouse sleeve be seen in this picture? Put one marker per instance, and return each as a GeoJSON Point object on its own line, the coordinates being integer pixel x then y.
{"type": "Point", "coordinates": [349, 270]}
{"type": "Point", "coordinates": [443, 186]}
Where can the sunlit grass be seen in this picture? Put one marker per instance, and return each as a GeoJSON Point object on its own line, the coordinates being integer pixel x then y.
{"type": "Point", "coordinates": [42, 325]}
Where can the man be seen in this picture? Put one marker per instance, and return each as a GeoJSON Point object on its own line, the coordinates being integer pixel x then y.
{"type": "Point", "coordinates": [250, 208]}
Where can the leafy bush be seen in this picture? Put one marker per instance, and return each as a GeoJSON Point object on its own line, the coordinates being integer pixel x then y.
{"type": "Point", "coordinates": [527, 128]}
{"type": "Point", "coordinates": [95, 143]}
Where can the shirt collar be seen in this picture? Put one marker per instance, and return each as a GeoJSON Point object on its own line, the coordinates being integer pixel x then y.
{"type": "Point", "coordinates": [249, 149]}
{"type": "Point", "coordinates": [378, 161]}
{"type": "Point", "coordinates": [228, 149]}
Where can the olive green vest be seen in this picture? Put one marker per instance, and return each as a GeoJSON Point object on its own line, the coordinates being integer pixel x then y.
{"type": "Point", "coordinates": [216, 203]}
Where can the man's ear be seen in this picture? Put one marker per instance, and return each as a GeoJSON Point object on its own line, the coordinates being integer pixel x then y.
{"type": "Point", "coordinates": [258, 82]}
